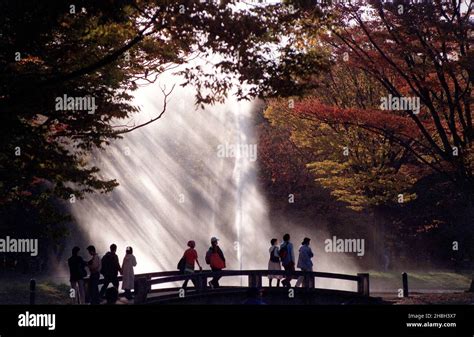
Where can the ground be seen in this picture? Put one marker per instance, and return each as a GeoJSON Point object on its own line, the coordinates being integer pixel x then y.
{"type": "Point", "coordinates": [16, 291]}
{"type": "Point", "coordinates": [420, 281]}
{"type": "Point", "coordinates": [451, 298]}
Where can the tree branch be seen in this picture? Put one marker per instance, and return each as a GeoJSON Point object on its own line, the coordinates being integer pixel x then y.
{"type": "Point", "coordinates": [165, 102]}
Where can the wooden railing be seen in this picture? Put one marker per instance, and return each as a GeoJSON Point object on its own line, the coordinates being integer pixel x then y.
{"type": "Point", "coordinates": [144, 282]}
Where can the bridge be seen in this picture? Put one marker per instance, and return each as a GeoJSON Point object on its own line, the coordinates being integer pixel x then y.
{"type": "Point", "coordinates": [309, 293]}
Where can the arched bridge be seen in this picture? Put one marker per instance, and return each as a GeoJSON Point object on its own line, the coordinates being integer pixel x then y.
{"type": "Point", "coordinates": [201, 293]}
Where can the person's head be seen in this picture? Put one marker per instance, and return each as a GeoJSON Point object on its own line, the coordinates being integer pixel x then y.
{"type": "Point", "coordinates": [214, 241]}
{"type": "Point", "coordinates": [286, 237]}
{"type": "Point", "coordinates": [75, 251]}
{"type": "Point", "coordinates": [113, 247]}
{"type": "Point", "coordinates": [111, 295]}
{"type": "Point", "coordinates": [191, 244]}
{"type": "Point", "coordinates": [91, 250]}
{"type": "Point", "coordinates": [306, 241]}
{"type": "Point", "coordinates": [129, 250]}
{"type": "Point", "coordinates": [273, 241]}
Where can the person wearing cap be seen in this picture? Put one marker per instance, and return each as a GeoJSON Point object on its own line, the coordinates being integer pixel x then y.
{"type": "Point", "coordinates": [215, 258]}
{"type": "Point", "coordinates": [304, 259]}
{"type": "Point", "coordinates": [190, 257]}
{"type": "Point", "coordinates": [128, 275]}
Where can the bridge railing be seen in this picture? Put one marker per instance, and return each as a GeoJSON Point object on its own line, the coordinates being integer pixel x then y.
{"type": "Point", "coordinates": [144, 282]}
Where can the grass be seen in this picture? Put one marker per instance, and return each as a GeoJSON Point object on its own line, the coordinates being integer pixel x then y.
{"type": "Point", "coordinates": [425, 280]}
{"type": "Point", "coordinates": [17, 292]}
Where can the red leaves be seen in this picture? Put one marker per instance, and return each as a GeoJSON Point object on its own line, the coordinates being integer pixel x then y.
{"type": "Point", "coordinates": [384, 122]}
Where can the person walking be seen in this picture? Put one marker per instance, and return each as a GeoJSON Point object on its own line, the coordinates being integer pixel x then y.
{"type": "Point", "coordinates": [274, 263]}
{"type": "Point", "coordinates": [94, 268]}
{"type": "Point", "coordinates": [110, 269]}
{"type": "Point", "coordinates": [215, 258]}
{"type": "Point", "coordinates": [77, 272]}
{"type": "Point", "coordinates": [304, 260]}
{"type": "Point", "coordinates": [287, 257]}
{"type": "Point", "coordinates": [128, 275]}
{"type": "Point", "coordinates": [190, 258]}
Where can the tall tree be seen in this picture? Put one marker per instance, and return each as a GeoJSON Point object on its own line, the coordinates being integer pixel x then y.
{"type": "Point", "coordinates": [103, 51]}
{"type": "Point", "coordinates": [420, 51]}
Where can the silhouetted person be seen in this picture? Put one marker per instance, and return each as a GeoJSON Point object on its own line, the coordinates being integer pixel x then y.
{"type": "Point", "coordinates": [215, 258]}
{"type": "Point", "coordinates": [287, 257]}
{"type": "Point", "coordinates": [128, 275]}
{"type": "Point", "coordinates": [254, 297]}
{"type": "Point", "coordinates": [190, 257]}
{"type": "Point", "coordinates": [304, 259]}
{"type": "Point", "coordinates": [111, 295]}
{"type": "Point", "coordinates": [110, 269]}
{"type": "Point", "coordinates": [77, 272]}
{"type": "Point", "coordinates": [274, 263]}
{"type": "Point", "coordinates": [94, 268]}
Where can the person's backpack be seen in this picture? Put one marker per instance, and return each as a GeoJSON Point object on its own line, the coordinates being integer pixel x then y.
{"type": "Point", "coordinates": [216, 261]}
{"type": "Point", "coordinates": [182, 264]}
{"type": "Point", "coordinates": [284, 252]}
{"type": "Point", "coordinates": [274, 258]}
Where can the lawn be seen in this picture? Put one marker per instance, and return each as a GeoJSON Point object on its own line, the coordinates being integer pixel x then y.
{"type": "Point", "coordinates": [16, 291]}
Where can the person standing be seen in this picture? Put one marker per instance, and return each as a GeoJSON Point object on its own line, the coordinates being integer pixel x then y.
{"type": "Point", "coordinates": [94, 268]}
{"type": "Point", "coordinates": [274, 262]}
{"type": "Point", "coordinates": [215, 258]}
{"type": "Point", "coordinates": [128, 275]}
{"type": "Point", "coordinates": [110, 269]}
{"type": "Point", "coordinates": [190, 258]}
{"type": "Point", "coordinates": [304, 259]}
{"type": "Point", "coordinates": [77, 272]}
{"type": "Point", "coordinates": [287, 257]}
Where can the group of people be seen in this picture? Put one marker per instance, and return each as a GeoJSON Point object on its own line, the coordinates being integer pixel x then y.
{"type": "Point", "coordinates": [109, 266]}
{"type": "Point", "coordinates": [214, 258]}
{"type": "Point", "coordinates": [283, 255]}
{"type": "Point", "coordinates": [280, 256]}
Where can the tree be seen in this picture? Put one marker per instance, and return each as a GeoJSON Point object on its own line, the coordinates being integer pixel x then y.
{"type": "Point", "coordinates": [359, 168]}
{"type": "Point", "coordinates": [418, 50]}
{"type": "Point", "coordinates": [406, 51]}
{"type": "Point", "coordinates": [103, 51]}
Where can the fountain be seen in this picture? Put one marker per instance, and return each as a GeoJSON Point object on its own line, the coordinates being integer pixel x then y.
{"type": "Point", "coordinates": [175, 185]}
{"type": "Point", "coordinates": [189, 176]}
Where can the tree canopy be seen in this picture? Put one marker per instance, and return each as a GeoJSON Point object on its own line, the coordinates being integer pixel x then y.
{"type": "Point", "coordinates": [104, 51]}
